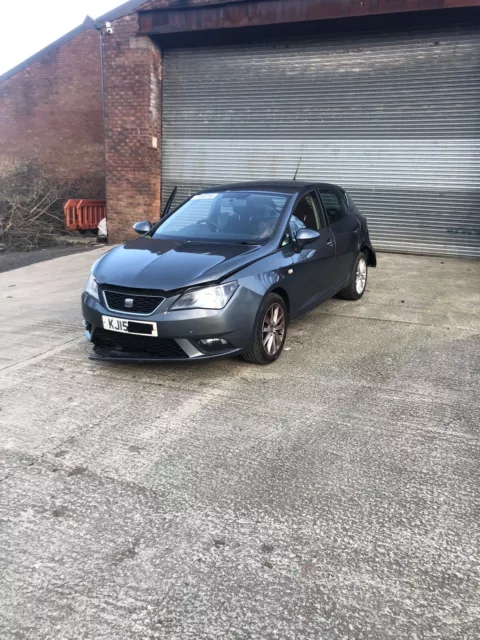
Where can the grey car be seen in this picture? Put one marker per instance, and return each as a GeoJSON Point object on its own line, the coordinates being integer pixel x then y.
{"type": "Point", "coordinates": [226, 272]}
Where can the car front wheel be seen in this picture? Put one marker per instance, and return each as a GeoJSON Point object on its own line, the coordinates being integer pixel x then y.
{"type": "Point", "coordinates": [269, 332]}
{"type": "Point", "coordinates": [358, 280]}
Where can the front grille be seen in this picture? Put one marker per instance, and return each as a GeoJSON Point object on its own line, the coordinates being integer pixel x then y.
{"type": "Point", "coordinates": [142, 304]}
{"type": "Point", "coordinates": [161, 347]}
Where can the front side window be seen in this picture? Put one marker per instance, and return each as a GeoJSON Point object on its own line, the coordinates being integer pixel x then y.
{"type": "Point", "coordinates": [307, 212]}
{"type": "Point", "coordinates": [243, 216]}
{"type": "Point", "coordinates": [307, 215]}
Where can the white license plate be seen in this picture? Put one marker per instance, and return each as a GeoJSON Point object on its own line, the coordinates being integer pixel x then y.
{"type": "Point", "coordinates": [130, 326]}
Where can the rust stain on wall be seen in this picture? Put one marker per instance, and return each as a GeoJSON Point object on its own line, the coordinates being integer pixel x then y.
{"type": "Point", "coordinates": [191, 17]}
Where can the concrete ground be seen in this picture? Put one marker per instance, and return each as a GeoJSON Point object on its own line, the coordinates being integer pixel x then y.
{"type": "Point", "coordinates": [332, 495]}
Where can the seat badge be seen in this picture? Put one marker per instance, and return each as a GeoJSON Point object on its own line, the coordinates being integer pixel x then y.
{"type": "Point", "coordinates": [128, 303]}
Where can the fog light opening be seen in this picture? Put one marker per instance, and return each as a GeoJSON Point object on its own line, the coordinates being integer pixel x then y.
{"type": "Point", "coordinates": [88, 330]}
{"type": "Point", "coordinates": [214, 344]}
{"type": "Point", "coordinates": [210, 342]}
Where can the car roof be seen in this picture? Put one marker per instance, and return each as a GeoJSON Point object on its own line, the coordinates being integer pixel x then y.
{"type": "Point", "coordinates": [290, 186]}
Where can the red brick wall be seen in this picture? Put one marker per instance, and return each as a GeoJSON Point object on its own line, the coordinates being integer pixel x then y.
{"type": "Point", "coordinates": [133, 89]}
{"type": "Point", "coordinates": [132, 72]}
{"type": "Point", "coordinates": [51, 111]}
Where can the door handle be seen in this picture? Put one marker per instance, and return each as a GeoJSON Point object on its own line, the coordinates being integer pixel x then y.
{"type": "Point", "coordinates": [355, 231]}
{"type": "Point", "coordinates": [330, 243]}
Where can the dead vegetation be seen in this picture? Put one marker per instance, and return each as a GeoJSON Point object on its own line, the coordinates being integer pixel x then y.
{"type": "Point", "coordinates": [31, 204]}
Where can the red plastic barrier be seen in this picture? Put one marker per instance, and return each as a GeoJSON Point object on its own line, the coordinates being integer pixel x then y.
{"type": "Point", "coordinates": [70, 210]}
{"type": "Point", "coordinates": [84, 215]}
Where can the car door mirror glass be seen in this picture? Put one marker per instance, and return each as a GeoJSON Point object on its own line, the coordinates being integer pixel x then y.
{"type": "Point", "coordinates": [142, 227]}
{"type": "Point", "coordinates": [305, 236]}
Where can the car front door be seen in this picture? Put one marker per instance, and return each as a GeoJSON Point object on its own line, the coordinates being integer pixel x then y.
{"type": "Point", "coordinates": [345, 229]}
{"type": "Point", "coordinates": [311, 276]}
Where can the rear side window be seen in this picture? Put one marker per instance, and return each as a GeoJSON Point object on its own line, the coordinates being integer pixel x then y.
{"type": "Point", "coordinates": [332, 205]}
{"type": "Point", "coordinates": [352, 206]}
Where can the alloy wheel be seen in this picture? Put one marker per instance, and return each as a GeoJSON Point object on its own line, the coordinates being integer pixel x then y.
{"type": "Point", "coordinates": [361, 276]}
{"type": "Point", "coordinates": [273, 329]}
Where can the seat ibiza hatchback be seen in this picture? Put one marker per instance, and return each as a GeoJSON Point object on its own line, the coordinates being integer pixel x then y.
{"type": "Point", "coordinates": [226, 272]}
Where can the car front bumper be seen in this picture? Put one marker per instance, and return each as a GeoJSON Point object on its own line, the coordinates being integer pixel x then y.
{"type": "Point", "coordinates": [179, 332]}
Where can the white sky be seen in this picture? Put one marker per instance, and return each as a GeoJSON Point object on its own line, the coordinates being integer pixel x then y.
{"type": "Point", "coordinates": [30, 25]}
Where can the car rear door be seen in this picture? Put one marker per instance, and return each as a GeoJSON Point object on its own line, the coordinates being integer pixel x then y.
{"type": "Point", "coordinates": [312, 276]}
{"type": "Point", "coordinates": [345, 229]}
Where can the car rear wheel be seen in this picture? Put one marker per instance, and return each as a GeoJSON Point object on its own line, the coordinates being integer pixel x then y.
{"type": "Point", "coordinates": [269, 332]}
{"type": "Point", "coordinates": [358, 280]}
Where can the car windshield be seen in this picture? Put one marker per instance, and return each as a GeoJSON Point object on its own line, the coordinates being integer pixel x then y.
{"type": "Point", "coordinates": [240, 216]}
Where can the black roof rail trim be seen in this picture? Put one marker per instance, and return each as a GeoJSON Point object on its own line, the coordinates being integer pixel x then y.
{"type": "Point", "coordinates": [121, 11]}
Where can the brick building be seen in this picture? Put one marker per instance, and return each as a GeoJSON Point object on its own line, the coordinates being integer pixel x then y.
{"type": "Point", "coordinates": [382, 97]}
{"type": "Point", "coordinates": [51, 108]}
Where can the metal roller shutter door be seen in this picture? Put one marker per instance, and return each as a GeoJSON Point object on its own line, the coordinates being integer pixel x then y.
{"type": "Point", "coordinates": [393, 117]}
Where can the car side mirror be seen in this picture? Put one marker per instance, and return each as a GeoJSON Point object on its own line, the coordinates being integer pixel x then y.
{"type": "Point", "coordinates": [142, 227]}
{"type": "Point", "coordinates": [305, 236]}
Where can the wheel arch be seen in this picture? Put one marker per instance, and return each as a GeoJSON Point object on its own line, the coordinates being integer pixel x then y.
{"type": "Point", "coordinates": [284, 295]}
{"type": "Point", "coordinates": [370, 255]}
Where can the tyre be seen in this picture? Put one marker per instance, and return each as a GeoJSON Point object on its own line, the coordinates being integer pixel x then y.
{"type": "Point", "coordinates": [357, 281]}
{"type": "Point", "coordinates": [269, 331]}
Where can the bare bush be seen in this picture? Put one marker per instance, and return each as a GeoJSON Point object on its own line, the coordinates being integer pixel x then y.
{"type": "Point", "coordinates": [31, 203]}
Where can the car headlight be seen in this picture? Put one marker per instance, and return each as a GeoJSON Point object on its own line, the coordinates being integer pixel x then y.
{"type": "Point", "coordinates": [92, 287]}
{"type": "Point", "coordinates": [206, 298]}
